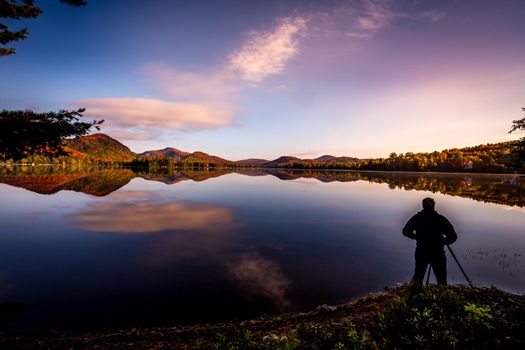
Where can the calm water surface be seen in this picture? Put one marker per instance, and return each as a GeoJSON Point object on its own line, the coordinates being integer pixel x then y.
{"type": "Point", "coordinates": [115, 248]}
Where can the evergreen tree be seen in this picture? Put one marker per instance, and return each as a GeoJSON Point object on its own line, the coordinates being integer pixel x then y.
{"type": "Point", "coordinates": [26, 9]}
{"type": "Point", "coordinates": [518, 153]}
{"type": "Point", "coordinates": [25, 132]}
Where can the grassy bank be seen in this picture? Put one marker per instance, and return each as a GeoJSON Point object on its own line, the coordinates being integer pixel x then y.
{"type": "Point", "coordinates": [457, 317]}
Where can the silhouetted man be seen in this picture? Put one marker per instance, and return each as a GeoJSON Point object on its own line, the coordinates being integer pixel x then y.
{"type": "Point", "coordinates": [431, 232]}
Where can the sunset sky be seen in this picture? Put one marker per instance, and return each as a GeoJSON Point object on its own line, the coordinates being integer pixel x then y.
{"type": "Point", "coordinates": [242, 79]}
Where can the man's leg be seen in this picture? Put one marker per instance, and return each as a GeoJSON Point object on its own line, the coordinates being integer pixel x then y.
{"type": "Point", "coordinates": [421, 267]}
{"type": "Point", "coordinates": [439, 264]}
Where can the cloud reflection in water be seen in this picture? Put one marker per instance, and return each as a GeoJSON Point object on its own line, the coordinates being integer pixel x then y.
{"type": "Point", "coordinates": [149, 216]}
{"type": "Point", "coordinates": [188, 231]}
{"type": "Point", "coordinates": [261, 277]}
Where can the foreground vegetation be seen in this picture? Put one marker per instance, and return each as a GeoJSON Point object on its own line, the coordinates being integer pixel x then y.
{"type": "Point", "coordinates": [456, 317]}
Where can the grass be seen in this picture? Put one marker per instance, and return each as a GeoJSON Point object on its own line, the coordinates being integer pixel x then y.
{"type": "Point", "coordinates": [433, 317]}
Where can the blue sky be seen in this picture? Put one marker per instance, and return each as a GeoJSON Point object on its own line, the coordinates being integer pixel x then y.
{"type": "Point", "coordinates": [262, 79]}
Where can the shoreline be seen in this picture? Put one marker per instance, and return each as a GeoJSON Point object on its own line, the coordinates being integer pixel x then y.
{"type": "Point", "coordinates": [364, 317]}
{"type": "Point", "coordinates": [243, 168]}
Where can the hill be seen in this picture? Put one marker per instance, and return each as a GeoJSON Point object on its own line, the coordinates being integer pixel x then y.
{"type": "Point", "coordinates": [332, 159]}
{"type": "Point", "coordinates": [320, 162]}
{"type": "Point", "coordinates": [98, 147]}
{"type": "Point", "coordinates": [281, 162]}
{"type": "Point", "coordinates": [252, 162]}
{"type": "Point", "coordinates": [169, 152]}
{"type": "Point", "coordinates": [326, 158]}
{"type": "Point", "coordinates": [488, 158]}
{"type": "Point", "coordinates": [201, 158]}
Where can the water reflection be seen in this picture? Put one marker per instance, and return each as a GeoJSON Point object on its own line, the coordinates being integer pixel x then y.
{"type": "Point", "coordinates": [49, 180]}
{"type": "Point", "coordinates": [500, 189]}
{"type": "Point", "coordinates": [148, 217]}
{"type": "Point", "coordinates": [189, 246]}
{"type": "Point", "coordinates": [259, 276]}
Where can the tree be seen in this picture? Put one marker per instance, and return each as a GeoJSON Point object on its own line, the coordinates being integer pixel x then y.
{"type": "Point", "coordinates": [518, 153]}
{"type": "Point", "coordinates": [11, 9]}
{"type": "Point", "coordinates": [27, 132]}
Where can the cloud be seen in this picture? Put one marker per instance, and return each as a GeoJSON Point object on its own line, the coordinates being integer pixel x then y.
{"type": "Point", "coordinates": [151, 113]}
{"type": "Point", "coordinates": [261, 277]}
{"type": "Point", "coordinates": [266, 53]}
{"type": "Point", "coordinates": [129, 134]}
{"type": "Point", "coordinates": [360, 20]}
{"type": "Point", "coordinates": [208, 98]}
{"type": "Point", "coordinates": [212, 85]}
{"type": "Point", "coordinates": [198, 100]}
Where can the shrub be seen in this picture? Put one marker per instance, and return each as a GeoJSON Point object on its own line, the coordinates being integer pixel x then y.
{"type": "Point", "coordinates": [435, 318]}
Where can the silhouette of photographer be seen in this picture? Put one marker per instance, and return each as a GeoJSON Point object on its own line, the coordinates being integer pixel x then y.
{"type": "Point", "coordinates": [432, 231]}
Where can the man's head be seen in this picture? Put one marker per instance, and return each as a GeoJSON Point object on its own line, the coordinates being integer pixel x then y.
{"type": "Point", "coordinates": [428, 203]}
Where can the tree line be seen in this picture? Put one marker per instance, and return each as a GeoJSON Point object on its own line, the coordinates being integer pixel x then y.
{"type": "Point", "coordinates": [490, 158]}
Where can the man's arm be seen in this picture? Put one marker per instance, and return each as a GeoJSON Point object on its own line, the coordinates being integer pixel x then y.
{"type": "Point", "coordinates": [448, 231]}
{"type": "Point", "coordinates": [409, 228]}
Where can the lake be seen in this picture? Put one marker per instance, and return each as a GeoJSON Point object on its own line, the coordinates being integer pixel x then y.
{"type": "Point", "coordinates": [117, 248]}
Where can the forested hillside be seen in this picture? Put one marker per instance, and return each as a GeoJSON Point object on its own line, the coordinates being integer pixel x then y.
{"type": "Point", "coordinates": [489, 158]}
{"type": "Point", "coordinates": [100, 149]}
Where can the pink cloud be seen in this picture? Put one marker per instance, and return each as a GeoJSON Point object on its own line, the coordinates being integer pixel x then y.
{"type": "Point", "coordinates": [208, 98]}
{"type": "Point", "coordinates": [124, 134]}
{"type": "Point", "coordinates": [212, 85]}
{"type": "Point", "coordinates": [267, 53]}
{"type": "Point", "coordinates": [151, 113]}
{"type": "Point", "coordinates": [362, 19]}
{"type": "Point", "coordinates": [198, 100]}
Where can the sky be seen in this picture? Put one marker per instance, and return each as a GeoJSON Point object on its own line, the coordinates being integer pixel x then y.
{"type": "Point", "coordinates": [260, 79]}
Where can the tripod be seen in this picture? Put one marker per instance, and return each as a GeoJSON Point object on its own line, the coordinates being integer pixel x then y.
{"type": "Point", "coordinates": [460, 267]}
{"type": "Point", "coordinates": [457, 262]}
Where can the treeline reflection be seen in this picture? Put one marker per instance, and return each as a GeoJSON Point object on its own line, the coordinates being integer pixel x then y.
{"type": "Point", "coordinates": [500, 189]}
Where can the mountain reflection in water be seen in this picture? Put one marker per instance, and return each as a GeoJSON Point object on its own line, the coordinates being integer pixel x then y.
{"type": "Point", "coordinates": [499, 189]}
{"type": "Point", "coordinates": [117, 247]}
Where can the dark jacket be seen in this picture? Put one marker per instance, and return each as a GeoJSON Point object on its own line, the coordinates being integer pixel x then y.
{"type": "Point", "coordinates": [430, 230]}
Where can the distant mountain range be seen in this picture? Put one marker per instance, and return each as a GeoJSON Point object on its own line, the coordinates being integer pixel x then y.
{"type": "Point", "coordinates": [105, 148]}
{"type": "Point", "coordinates": [489, 158]}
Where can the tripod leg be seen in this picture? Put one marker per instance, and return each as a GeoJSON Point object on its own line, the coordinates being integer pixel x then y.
{"type": "Point", "coordinates": [460, 267]}
{"type": "Point", "coordinates": [428, 275]}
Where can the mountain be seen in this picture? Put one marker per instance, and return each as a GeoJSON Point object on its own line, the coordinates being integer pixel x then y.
{"type": "Point", "coordinates": [333, 159]}
{"type": "Point", "coordinates": [204, 158]}
{"type": "Point", "coordinates": [252, 161]}
{"type": "Point", "coordinates": [98, 147]}
{"type": "Point", "coordinates": [288, 161]}
{"type": "Point", "coordinates": [169, 152]}
{"type": "Point", "coordinates": [325, 158]}
{"type": "Point", "coordinates": [282, 162]}
{"type": "Point", "coordinates": [344, 160]}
